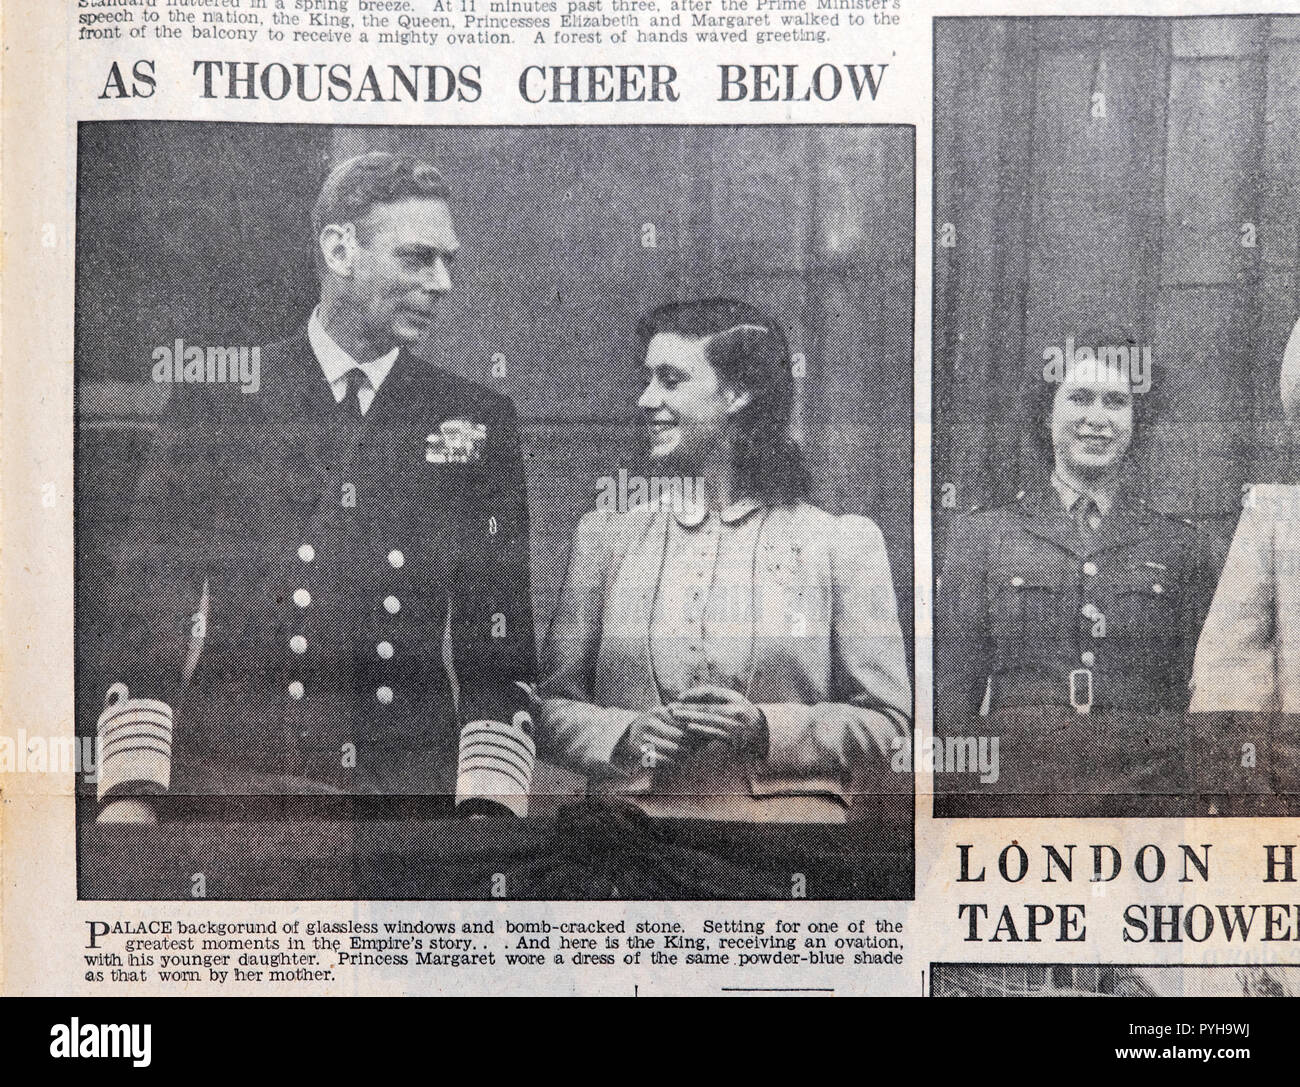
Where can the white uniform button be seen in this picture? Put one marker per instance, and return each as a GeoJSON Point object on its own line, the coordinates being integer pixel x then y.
{"type": "Point", "coordinates": [1157, 588]}
{"type": "Point", "coordinates": [396, 558]}
{"type": "Point", "coordinates": [392, 605]}
{"type": "Point", "coordinates": [306, 552]}
{"type": "Point", "coordinates": [301, 597]}
{"type": "Point", "coordinates": [385, 650]}
{"type": "Point", "coordinates": [1017, 582]}
{"type": "Point", "coordinates": [1090, 568]}
{"type": "Point", "coordinates": [385, 695]}
{"type": "Point", "coordinates": [298, 643]}
{"type": "Point", "coordinates": [296, 690]}
{"type": "Point", "coordinates": [1088, 657]}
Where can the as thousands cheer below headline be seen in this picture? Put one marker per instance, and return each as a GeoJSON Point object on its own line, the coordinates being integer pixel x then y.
{"type": "Point", "coordinates": [572, 83]}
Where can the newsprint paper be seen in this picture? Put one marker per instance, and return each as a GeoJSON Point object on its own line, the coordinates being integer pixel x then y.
{"type": "Point", "coordinates": [650, 497]}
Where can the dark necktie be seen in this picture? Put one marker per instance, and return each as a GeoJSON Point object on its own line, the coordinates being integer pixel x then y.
{"type": "Point", "coordinates": [351, 403]}
{"type": "Point", "coordinates": [1086, 512]}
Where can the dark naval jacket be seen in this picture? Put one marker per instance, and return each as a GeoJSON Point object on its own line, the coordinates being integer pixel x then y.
{"type": "Point", "coordinates": [295, 575]}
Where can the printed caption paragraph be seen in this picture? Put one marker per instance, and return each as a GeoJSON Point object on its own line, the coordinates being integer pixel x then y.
{"type": "Point", "coordinates": [121, 952]}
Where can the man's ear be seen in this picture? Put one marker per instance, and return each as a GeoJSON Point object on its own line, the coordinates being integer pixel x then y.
{"type": "Point", "coordinates": [338, 246]}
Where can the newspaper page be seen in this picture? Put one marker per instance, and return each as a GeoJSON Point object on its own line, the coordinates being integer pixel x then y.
{"type": "Point", "coordinates": [650, 497]}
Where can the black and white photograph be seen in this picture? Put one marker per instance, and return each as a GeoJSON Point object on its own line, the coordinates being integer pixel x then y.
{"type": "Point", "coordinates": [965, 979]}
{"type": "Point", "coordinates": [491, 512]}
{"type": "Point", "coordinates": [1116, 367]}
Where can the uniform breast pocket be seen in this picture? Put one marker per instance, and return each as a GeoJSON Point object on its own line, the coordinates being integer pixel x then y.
{"type": "Point", "coordinates": [1146, 614]}
{"type": "Point", "coordinates": [1028, 607]}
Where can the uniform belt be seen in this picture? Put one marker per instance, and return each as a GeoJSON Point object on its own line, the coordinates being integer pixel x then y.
{"type": "Point", "coordinates": [1084, 690]}
{"type": "Point", "coordinates": [1081, 690]}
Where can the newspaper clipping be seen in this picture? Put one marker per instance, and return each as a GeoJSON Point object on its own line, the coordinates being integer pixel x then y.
{"type": "Point", "coordinates": [651, 497]}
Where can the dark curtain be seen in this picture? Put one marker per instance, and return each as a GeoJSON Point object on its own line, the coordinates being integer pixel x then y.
{"type": "Point", "coordinates": [1103, 172]}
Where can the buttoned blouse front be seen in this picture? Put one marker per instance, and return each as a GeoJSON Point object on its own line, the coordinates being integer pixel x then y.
{"type": "Point", "coordinates": [702, 622]}
{"type": "Point", "coordinates": [789, 606]}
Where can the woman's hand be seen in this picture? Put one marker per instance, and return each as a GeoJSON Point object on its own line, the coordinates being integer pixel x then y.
{"type": "Point", "coordinates": [709, 712]}
{"type": "Point", "coordinates": [653, 740]}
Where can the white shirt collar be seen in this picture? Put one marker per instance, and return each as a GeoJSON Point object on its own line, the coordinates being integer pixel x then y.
{"type": "Point", "coordinates": [692, 516]}
{"type": "Point", "coordinates": [1070, 496]}
{"type": "Point", "coordinates": [335, 362]}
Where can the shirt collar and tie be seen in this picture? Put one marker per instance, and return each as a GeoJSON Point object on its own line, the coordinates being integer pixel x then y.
{"type": "Point", "coordinates": [350, 380]}
{"type": "Point", "coordinates": [1087, 509]}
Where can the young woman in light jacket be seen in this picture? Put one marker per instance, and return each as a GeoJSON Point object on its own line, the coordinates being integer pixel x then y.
{"type": "Point", "coordinates": [725, 650]}
{"type": "Point", "coordinates": [1248, 656]}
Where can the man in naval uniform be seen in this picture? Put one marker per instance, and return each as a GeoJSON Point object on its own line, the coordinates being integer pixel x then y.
{"type": "Point", "coordinates": [327, 580]}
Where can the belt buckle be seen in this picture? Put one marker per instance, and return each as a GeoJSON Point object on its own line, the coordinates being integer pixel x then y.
{"type": "Point", "coordinates": [1081, 677]}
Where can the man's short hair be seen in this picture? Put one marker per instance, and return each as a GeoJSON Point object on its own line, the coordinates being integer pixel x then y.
{"type": "Point", "coordinates": [359, 184]}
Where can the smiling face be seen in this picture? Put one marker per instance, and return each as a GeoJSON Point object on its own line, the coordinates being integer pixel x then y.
{"type": "Point", "coordinates": [1092, 422]}
{"type": "Point", "coordinates": [391, 269]}
{"type": "Point", "coordinates": [686, 403]}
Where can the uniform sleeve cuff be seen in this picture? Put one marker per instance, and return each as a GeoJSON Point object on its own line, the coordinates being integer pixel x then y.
{"type": "Point", "coordinates": [613, 731]}
{"type": "Point", "coordinates": [790, 744]}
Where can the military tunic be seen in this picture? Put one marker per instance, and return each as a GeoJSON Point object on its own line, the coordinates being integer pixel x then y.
{"type": "Point", "coordinates": [1074, 648]}
{"type": "Point", "coordinates": [312, 567]}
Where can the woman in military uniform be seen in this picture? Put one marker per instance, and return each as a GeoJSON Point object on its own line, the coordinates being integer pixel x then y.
{"type": "Point", "coordinates": [1066, 621]}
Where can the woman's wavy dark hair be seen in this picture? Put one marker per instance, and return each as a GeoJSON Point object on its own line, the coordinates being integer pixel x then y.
{"type": "Point", "coordinates": [751, 354]}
